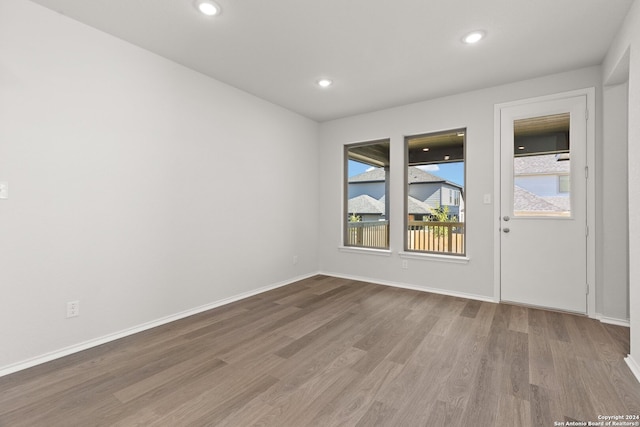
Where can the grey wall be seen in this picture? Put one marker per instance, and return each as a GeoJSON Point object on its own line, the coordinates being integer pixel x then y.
{"type": "Point", "coordinates": [614, 202]}
{"type": "Point", "coordinates": [622, 64]}
{"type": "Point", "coordinates": [473, 111]}
{"type": "Point", "coordinates": [129, 178]}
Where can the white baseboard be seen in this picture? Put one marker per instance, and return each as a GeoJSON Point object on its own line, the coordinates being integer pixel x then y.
{"type": "Point", "coordinates": [412, 287]}
{"type": "Point", "coordinates": [633, 365]}
{"type": "Point", "coordinates": [613, 321]}
{"type": "Point", "coordinates": [6, 370]}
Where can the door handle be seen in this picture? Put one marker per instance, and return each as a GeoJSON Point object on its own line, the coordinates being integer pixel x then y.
{"type": "Point", "coordinates": [506, 218]}
{"type": "Point", "coordinates": [506, 229]}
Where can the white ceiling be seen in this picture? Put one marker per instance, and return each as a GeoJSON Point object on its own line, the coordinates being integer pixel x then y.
{"type": "Point", "coordinates": [378, 53]}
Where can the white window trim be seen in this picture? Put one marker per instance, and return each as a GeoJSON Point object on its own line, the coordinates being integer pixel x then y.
{"type": "Point", "coordinates": [428, 256]}
{"type": "Point", "coordinates": [365, 251]}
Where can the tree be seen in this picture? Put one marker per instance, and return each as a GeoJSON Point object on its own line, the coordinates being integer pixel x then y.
{"type": "Point", "coordinates": [355, 218]}
{"type": "Point", "coordinates": [441, 214]}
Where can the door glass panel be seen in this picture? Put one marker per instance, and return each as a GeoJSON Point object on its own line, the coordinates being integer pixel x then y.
{"type": "Point", "coordinates": [542, 166]}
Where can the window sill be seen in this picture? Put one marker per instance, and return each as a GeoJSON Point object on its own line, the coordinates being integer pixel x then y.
{"type": "Point", "coordinates": [367, 251]}
{"type": "Point", "coordinates": [435, 257]}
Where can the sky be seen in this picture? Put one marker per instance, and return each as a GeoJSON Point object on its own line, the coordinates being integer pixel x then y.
{"type": "Point", "coordinates": [453, 172]}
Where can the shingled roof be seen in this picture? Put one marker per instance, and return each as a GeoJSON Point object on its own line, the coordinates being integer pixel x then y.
{"type": "Point", "coordinates": [416, 175]}
{"type": "Point", "coordinates": [373, 175]}
{"type": "Point", "coordinates": [526, 201]}
{"type": "Point", "coordinates": [563, 202]}
{"type": "Point", "coordinates": [546, 164]}
{"type": "Point", "coordinates": [415, 206]}
{"type": "Point", "coordinates": [365, 204]}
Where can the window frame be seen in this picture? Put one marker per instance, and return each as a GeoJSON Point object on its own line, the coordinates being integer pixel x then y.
{"type": "Point", "coordinates": [462, 193]}
{"type": "Point", "coordinates": [567, 183]}
{"type": "Point", "coordinates": [345, 198]}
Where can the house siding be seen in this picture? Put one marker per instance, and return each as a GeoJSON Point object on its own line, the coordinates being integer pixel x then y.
{"type": "Point", "coordinates": [427, 192]}
{"type": "Point", "coordinates": [373, 189]}
{"type": "Point", "coordinates": [541, 185]}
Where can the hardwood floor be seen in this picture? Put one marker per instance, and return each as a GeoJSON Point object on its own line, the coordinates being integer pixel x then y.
{"type": "Point", "coordinates": [333, 352]}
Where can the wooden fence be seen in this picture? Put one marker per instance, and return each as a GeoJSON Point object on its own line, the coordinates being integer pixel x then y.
{"type": "Point", "coordinates": [426, 236]}
{"type": "Point", "coordinates": [440, 237]}
{"type": "Point", "coordinates": [368, 234]}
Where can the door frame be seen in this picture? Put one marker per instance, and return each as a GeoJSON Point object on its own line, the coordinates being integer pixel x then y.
{"type": "Point", "coordinates": [591, 189]}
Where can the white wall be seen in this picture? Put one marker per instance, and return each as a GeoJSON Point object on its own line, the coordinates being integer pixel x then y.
{"type": "Point", "coordinates": [138, 187]}
{"type": "Point", "coordinates": [623, 63]}
{"type": "Point", "coordinates": [472, 110]}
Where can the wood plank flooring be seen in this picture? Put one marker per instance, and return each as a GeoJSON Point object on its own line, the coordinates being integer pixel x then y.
{"type": "Point", "coordinates": [333, 352]}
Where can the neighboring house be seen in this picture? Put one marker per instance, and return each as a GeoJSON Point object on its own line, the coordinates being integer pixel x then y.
{"type": "Point", "coordinates": [370, 209]}
{"type": "Point", "coordinates": [526, 202]}
{"type": "Point", "coordinates": [371, 183]}
{"type": "Point", "coordinates": [426, 191]}
{"type": "Point", "coordinates": [418, 210]}
{"type": "Point", "coordinates": [367, 208]}
{"type": "Point", "coordinates": [547, 178]}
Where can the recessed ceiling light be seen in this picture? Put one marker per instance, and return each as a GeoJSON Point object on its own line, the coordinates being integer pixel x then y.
{"type": "Point", "coordinates": [521, 147]}
{"type": "Point", "coordinates": [474, 37]}
{"type": "Point", "coordinates": [460, 133]}
{"type": "Point", "coordinates": [208, 7]}
{"type": "Point", "coordinates": [447, 157]}
{"type": "Point", "coordinates": [425, 149]}
{"type": "Point", "coordinates": [324, 82]}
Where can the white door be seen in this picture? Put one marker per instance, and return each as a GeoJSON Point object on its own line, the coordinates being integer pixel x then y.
{"type": "Point", "coordinates": [543, 204]}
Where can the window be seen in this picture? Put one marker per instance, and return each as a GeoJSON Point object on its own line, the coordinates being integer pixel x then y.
{"type": "Point", "coordinates": [564, 185]}
{"type": "Point", "coordinates": [542, 166]}
{"type": "Point", "coordinates": [434, 195]}
{"type": "Point", "coordinates": [450, 197]}
{"type": "Point", "coordinates": [366, 201]}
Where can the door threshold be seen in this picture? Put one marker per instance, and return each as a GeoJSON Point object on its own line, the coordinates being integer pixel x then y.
{"type": "Point", "coordinates": [540, 307]}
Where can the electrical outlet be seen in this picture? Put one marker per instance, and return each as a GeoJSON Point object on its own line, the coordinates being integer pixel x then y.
{"type": "Point", "coordinates": [405, 264]}
{"type": "Point", "coordinates": [73, 309]}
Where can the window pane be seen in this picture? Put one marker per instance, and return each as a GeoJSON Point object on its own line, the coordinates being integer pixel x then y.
{"type": "Point", "coordinates": [367, 186]}
{"type": "Point", "coordinates": [564, 185]}
{"type": "Point", "coordinates": [542, 166]}
{"type": "Point", "coordinates": [435, 220]}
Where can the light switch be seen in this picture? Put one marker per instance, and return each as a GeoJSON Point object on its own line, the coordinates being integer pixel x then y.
{"type": "Point", "coordinates": [4, 190]}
